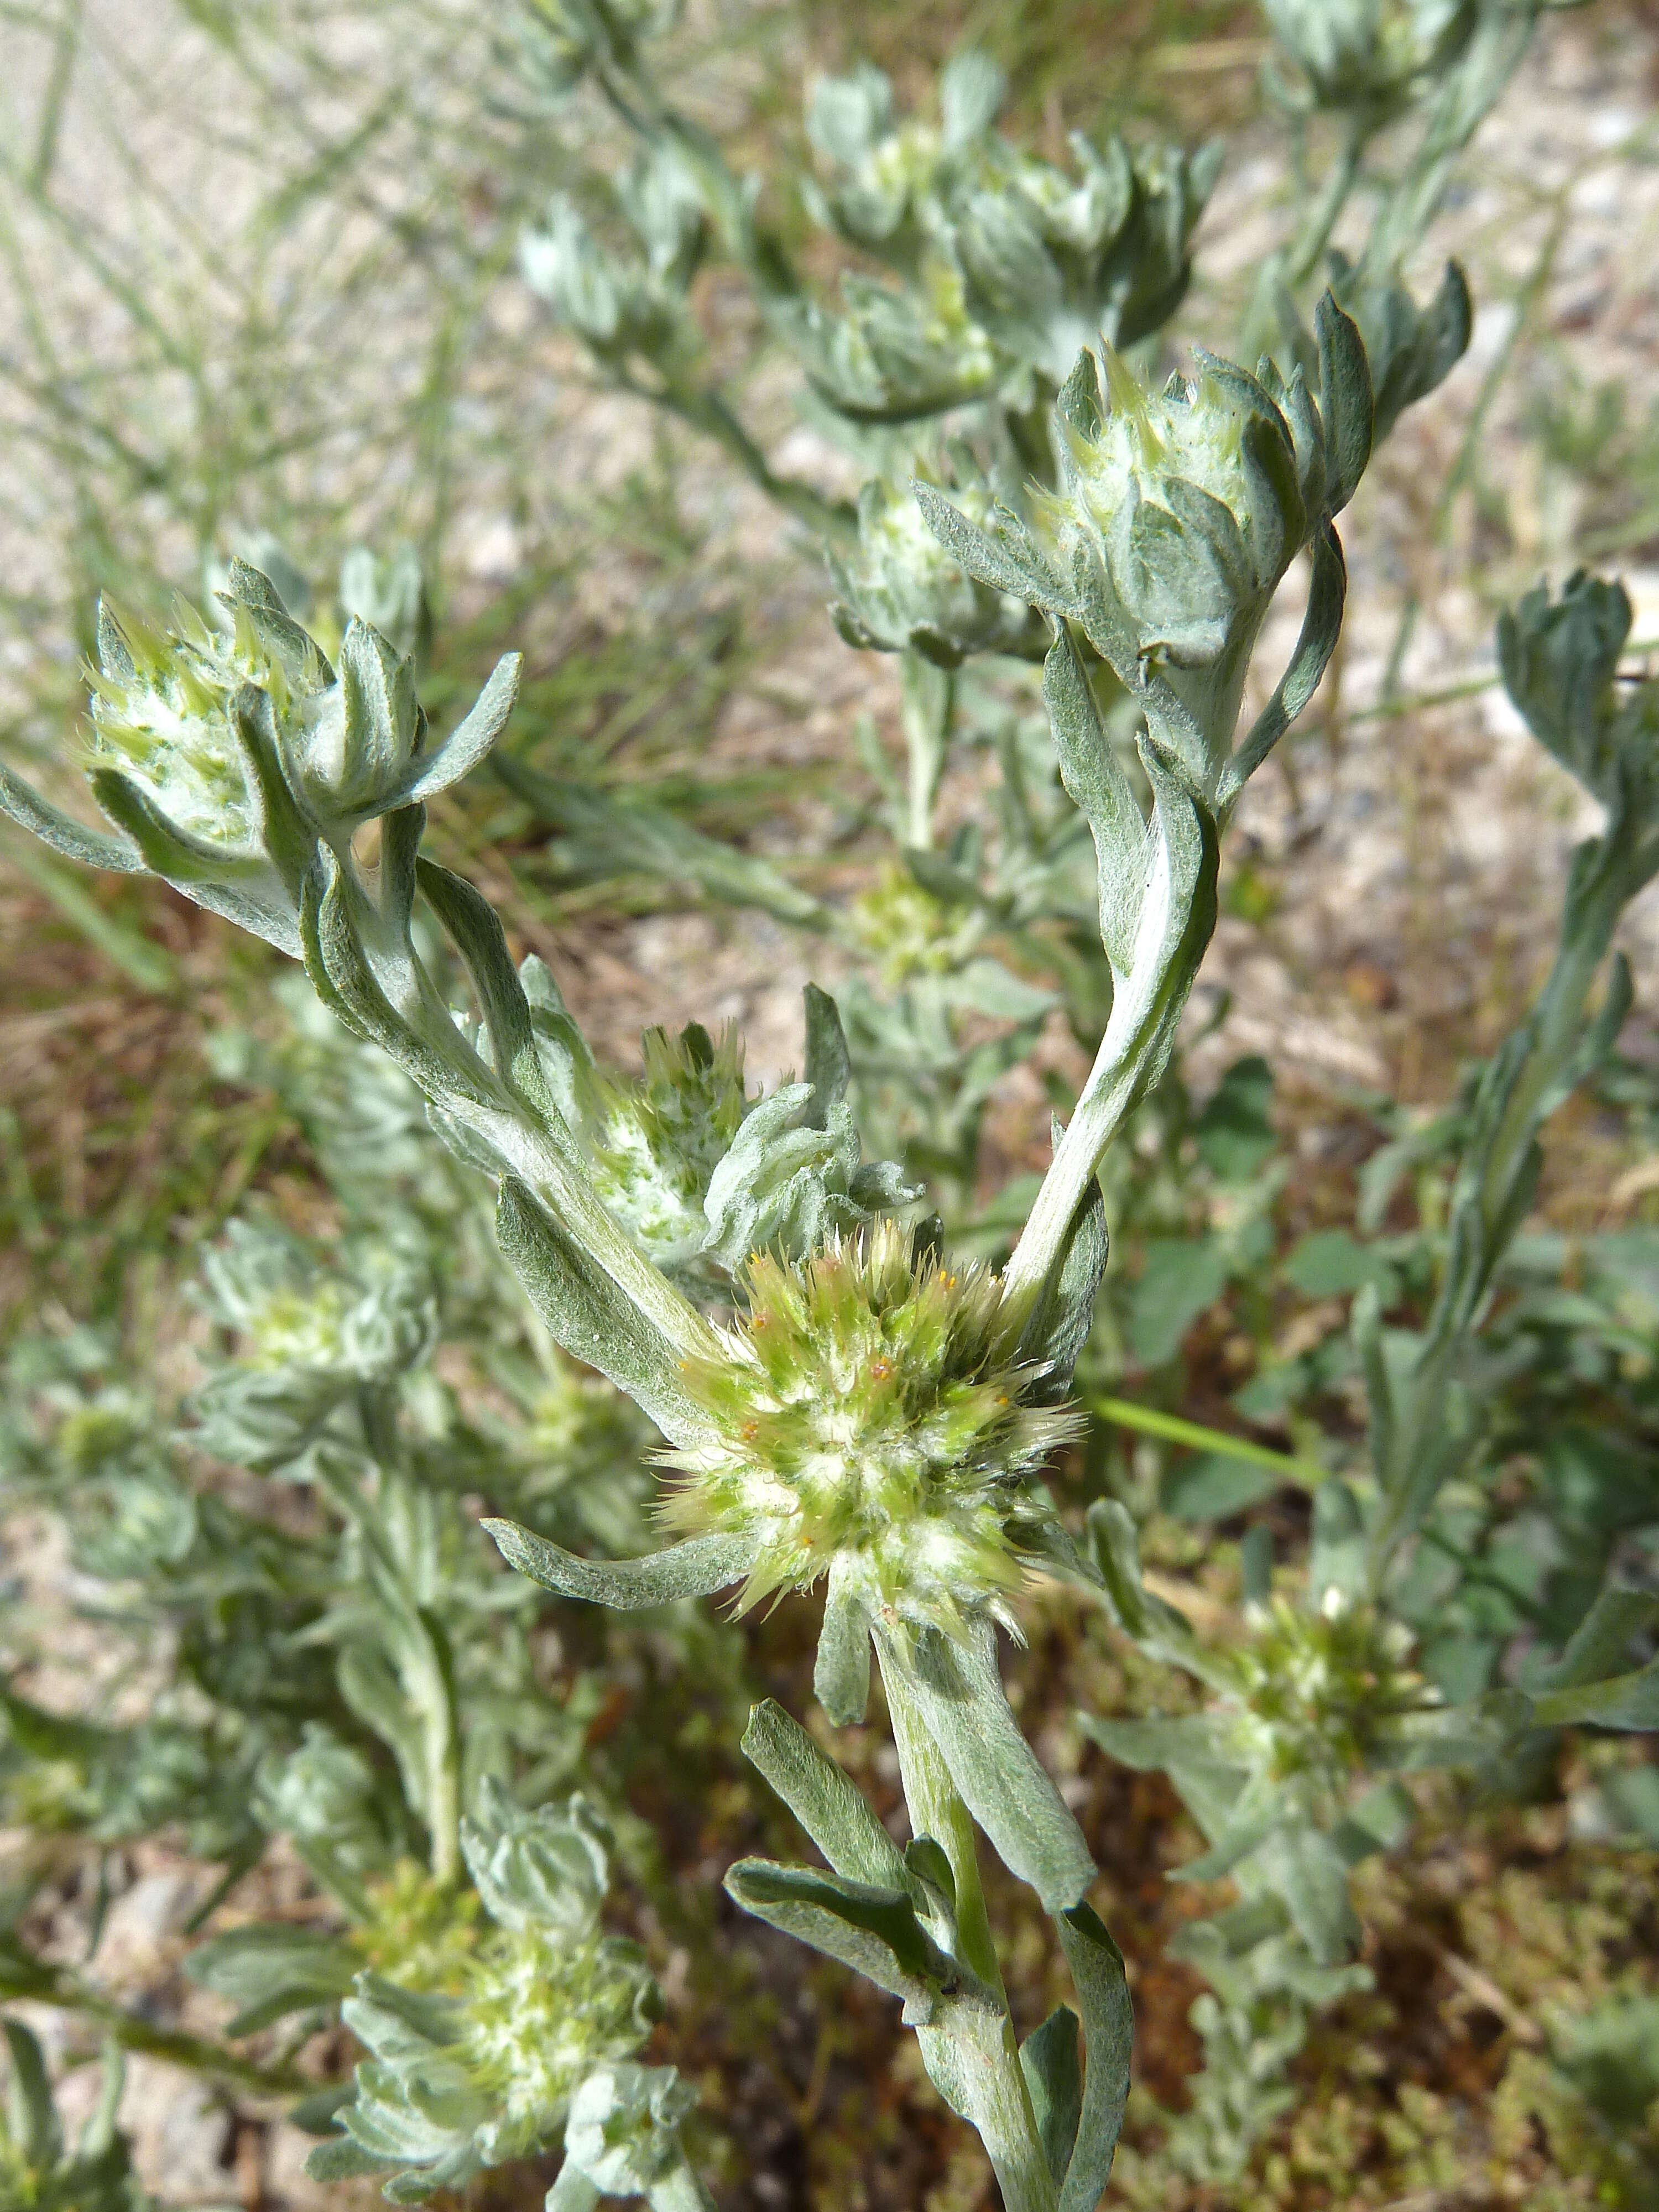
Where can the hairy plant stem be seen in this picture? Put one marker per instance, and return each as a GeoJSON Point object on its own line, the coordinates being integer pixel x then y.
{"type": "Point", "coordinates": [1146, 1007]}
{"type": "Point", "coordinates": [929, 696]}
{"type": "Point", "coordinates": [972, 2055]}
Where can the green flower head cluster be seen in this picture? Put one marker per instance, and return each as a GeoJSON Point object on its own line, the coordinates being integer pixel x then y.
{"type": "Point", "coordinates": [311, 1334]}
{"type": "Point", "coordinates": [1165, 474]}
{"type": "Point", "coordinates": [875, 1423]}
{"type": "Point", "coordinates": [1369, 54]}
{"type": "Point", "coordinates": [884, 176]}
{"type": "Point", "coordinates": [1042, 258]}
{"type": "Point", "coordinates": [1317, 1685]}
{"type": "Point", "coordinates": [656, 1139]}
{"type": "Point", "coordinates": [1180, 513]}
{"type": "Point", "coordinates": [462, 2081]}
{"type": "Point", "coordinates": [697, 1172]}
{"type": "Point", "coordinates": [370, 1318]}
{"type": "Point", "coordinates": [909, 931]}
{"type": "Point", "coordinates": [163, 711]}
{"type": "Point", "coordinates": [229, 758]}
{"type": "Point", "coordinates": [630, 303]}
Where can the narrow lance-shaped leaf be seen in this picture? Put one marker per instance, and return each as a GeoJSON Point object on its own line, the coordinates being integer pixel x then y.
{"type": "Point", "coordinates": [1096, 785]}
{"type": "Point", "coordinates": [1064, 1314]}
{"type": "Point", "coordinates": [828, 1805]}
{"type": "Point", "coordinates": [475, 927]}
{"type": "Point", "coordinates": [34, 2113]}
{"type": "Point", "coordinates": [589, 1316]}
{"type": "Point", "coordinates": [1054, 2079]}
{"type": "Point", "coordinates": [470, 739]}
{"type": "Point", "coordinates": [696, 1568]}
{"type": "Point", "coordinates": [828, 1062]}
{"type": "Point", "coordinates": [608, 833]}
{"type": "Point", "coordinates": [1346, 401]}
{"type": "Point", "coordinates": [1008, 561]}
{"type": "Point", "coordinates": [840, 1673]}
{"type": "Point", "coordinates": [1322, 625]}
{"type": "Point", "coordinates": [874, 1930]}
{"type": "Point", "coordinates": [1627, 1702]}
{"type": "Point", "coordinates": [1000, 1777]}
{"type": "Point", "coordinates": [93, 849]}
{"type": "Point", "coordinates": [1102, 1991]}
{"type": "Point", "coordinates": [1602, 1640]}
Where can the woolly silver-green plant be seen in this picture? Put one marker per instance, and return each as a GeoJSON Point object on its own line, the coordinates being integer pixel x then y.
{"type": "Point", "coordinates": [460, 2081]}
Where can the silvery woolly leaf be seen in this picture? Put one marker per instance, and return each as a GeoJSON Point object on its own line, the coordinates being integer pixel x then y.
{"type": "Point", "coordinates": [846, 116]}
{"type": "Point", "coordinates": [1411, 349]}
{"type": "Point", "coordinates": [1049, 2059]}
{"type": "Point", "coordinates": [959, 1691]}
{"type": "Point", "coordinates": [93, 849]}
{"type": "Point", "coordinates": [793, 1180]}
{"type": "Point", "coordinates": [271, 1969]}
{"type": "Point", "coordinates": [827, 1804]}
{"type": "Point", "coordinates": [1102, 1991]}
{"type": "Point", "coordinates": [1558, 659]}
{"type": "Point", "coordinates": [696, 1568]}
{"type": "Point", "coordinates": [588, 1315]}
{"type": "Point", "coordinates": [874, 1930]}
{"type": "Point", "coordinates": [971, 91]}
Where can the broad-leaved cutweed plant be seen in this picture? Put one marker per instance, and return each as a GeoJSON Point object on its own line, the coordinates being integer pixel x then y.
{"type": "Point", "coordinates": [844, 1396]}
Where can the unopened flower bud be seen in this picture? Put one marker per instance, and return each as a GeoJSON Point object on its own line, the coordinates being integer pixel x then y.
{"type": "Point", "coordinates": [163, 706]}
{"type": "Point", "coordinates": [621, 305]}
{"type": "Point", "coordinates": [901, 591]}
{"type": "Point", "coordinates": [655, 1141]}
{"type": "Point", "coordinates": [559, 41]}
{"type": "Point", "coordinates": [1369, 53]}
{"type": "Point", "coordinates": [1189, 505]}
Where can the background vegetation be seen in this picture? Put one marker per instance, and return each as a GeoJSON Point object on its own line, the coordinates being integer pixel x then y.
{"type": "Point", "coordinates": [260, 283]}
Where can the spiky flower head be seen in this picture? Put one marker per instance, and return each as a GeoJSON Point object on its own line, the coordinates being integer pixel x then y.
{"type": "Point", "coordinates": [875, 1423]}
{"type": "Point", "coordinates": [894, 355]}
{"type": "Point", "coordinates": [421, 1930]}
